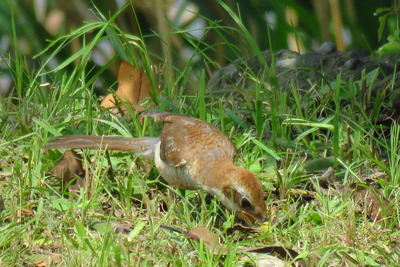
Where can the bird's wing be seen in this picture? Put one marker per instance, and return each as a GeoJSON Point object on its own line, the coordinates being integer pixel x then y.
{"type": "Point", "coordinates": [185, 139]}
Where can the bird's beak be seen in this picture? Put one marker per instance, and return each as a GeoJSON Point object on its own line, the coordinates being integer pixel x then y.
{"type": "Point", "coordinates": [250, 219]}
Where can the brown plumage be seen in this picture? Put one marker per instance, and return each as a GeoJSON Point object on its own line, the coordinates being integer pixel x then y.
{"type": "Point", "coordinates": [189, 154]}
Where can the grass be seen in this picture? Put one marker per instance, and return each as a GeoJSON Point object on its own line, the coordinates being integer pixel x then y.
{"type": "Point", "coordinates": [123, 191]}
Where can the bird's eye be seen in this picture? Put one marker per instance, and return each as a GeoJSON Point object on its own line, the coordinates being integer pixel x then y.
{"type": "Point", "coordinates": [245, 203]}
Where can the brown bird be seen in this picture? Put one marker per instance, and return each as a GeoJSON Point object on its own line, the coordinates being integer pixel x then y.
{"type": "Point", "coordinates": [189, 154]}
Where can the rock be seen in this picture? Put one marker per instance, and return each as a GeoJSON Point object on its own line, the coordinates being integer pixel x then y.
{"type": "Point", "coordinates": [313, 69]}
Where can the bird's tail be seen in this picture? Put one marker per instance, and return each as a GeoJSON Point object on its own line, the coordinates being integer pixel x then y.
{"type": "Point", "coordinates": [144, 146]}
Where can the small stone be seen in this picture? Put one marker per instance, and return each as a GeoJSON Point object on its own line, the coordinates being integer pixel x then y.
{"type": "Point", "coordinates": [327, 48]}
{"type": "Point", "coordinates": [352, 63]}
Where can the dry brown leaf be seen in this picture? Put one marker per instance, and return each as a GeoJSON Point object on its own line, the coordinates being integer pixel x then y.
{"type": "Point", "coordinates": [372, 202]}
{"type": "Point", "coordinates": [296, 193]}
{"type": "Point", "coordinates": [49, 260]}
{"type": "Point", "coordinates": [123, 110]}
{"type": "Point", "coordinates": [133, 87]}
{"type": "Point", "coordinates": [208, 238]}
{"type": "Point", "coordinates": [23, 212]}
{"type": "Point", "coordinates": [2, 206]}
{"type": "Point", "coordinates": [68, 168]}
{"type": "Point", "coordinates": [109, 101]}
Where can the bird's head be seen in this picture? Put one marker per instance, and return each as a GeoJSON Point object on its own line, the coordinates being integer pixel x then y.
{"type": "Point", "coordinates": [244, 194]}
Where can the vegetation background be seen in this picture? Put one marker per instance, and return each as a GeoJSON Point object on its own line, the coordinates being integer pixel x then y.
{"type": "Point", "coordinates": [58, 57]}
{"type": "Point", "coordinates": [170, 29]}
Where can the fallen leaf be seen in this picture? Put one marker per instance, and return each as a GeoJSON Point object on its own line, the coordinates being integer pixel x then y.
{"type": "Point", "coordinates": [208, 238]}
{"type": "Point", "coordinates": [2, 206]}
{"type": "Point", "coordinates": [50, 260]}
{"type": "Point", "coordinates": [298, 193]}
{"type": "Point", "coordinates": [121, 109]}
{"type": "Point", "coordinates": [24, 212]}
{"type": "Point", "coordinates": [374, 205]}
{"type": "Point", "coordinates": [133, 88]}
{"type": "Point", "coordinates": [69, 168]}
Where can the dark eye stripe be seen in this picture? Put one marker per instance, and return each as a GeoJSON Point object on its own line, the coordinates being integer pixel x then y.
{"type": "Point", "coordinates": [245, 203]}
